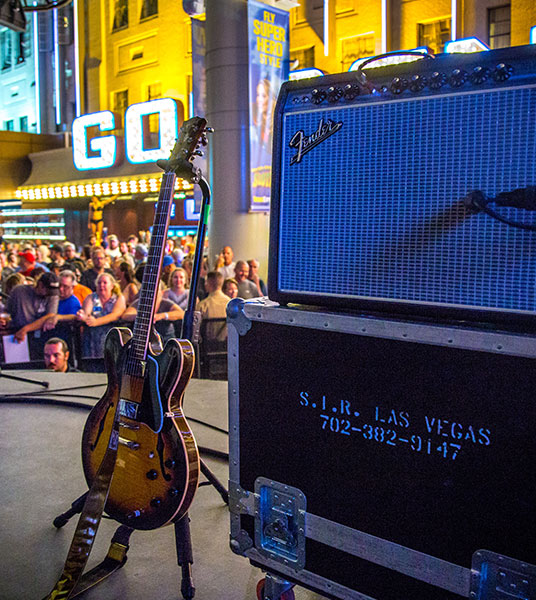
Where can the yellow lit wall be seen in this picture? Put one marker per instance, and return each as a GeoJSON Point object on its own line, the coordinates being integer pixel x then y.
{"type": "Point", "coordinates": [156, 50]}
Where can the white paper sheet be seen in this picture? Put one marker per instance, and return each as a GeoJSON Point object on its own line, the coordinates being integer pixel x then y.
{"type": "Point", "coordinates": [15, 352]}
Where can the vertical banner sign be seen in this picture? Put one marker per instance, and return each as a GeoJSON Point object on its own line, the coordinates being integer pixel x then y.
{"type": "Point", "coordinates": [199, 93]}
{"type": "Point", "coordinates": [268, 68]}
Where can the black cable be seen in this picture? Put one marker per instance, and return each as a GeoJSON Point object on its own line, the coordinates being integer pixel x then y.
{"type": "Point", "coordinates": [52, 392]}
{"type": "Point", "coordinates": [478, 202]}
{"type": "Point", "coordinates": [33, 400]}
{"type": "Point", "coordinates": [215, 427]}
{"type": "Point", "coordinates": [14, 399]}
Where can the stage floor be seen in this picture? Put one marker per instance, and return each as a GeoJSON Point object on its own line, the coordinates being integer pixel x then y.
{"type": "Point", "coordinates": [41, 475]}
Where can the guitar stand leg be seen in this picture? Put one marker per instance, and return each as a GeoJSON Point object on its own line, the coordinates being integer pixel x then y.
{"type": "Point", "coordinates": [76, 509]}
{"type": "Point", "coordinates": [185, 557]}
{"type": "Point", "coordinates": [215, 482]}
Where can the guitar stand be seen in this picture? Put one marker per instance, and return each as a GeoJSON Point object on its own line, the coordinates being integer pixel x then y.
{"type": "Point", "coordinates": [117, 553]}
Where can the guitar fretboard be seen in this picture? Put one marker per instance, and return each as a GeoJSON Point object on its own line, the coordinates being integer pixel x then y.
{"type": "Point", "coordinates": [151, 278]}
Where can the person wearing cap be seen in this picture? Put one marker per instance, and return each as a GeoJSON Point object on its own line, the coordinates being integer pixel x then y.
{"type": "Point", "coordinates": [113, 250]}
{"type": "Point", "coordinates": [26, 263]}
{"type": "Point", "coordinates": [30, 307]}
{"type": "Point", "coordinates": [168, 266]}
{"type": "Point", "coordinates": [140, 254]}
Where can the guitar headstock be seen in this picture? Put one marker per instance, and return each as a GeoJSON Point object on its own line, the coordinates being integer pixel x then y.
{"type": "Point", "coordinates": [192, 135]}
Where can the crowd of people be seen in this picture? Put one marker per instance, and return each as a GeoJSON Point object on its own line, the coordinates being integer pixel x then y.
{"type": "Point", "coordinates": [62, 301]}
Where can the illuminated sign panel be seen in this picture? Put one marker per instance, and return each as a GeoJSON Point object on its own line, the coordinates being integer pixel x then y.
{"type": "Point", "coordinates": [135, 116]}
{"type": "Point", "coordinates": [305, 74]}
{"type": "Point", "coordinates": [104, 146]}
{"type": "Point", "coordinates": [466, 46]}
{"type": "Point", "coordinates": [101, 152]}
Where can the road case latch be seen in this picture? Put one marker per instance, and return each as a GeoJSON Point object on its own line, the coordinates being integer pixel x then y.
{"type": "Point", "coordinates": [280, 522]}
{"type": "Point", "coordinates": [498, 577]}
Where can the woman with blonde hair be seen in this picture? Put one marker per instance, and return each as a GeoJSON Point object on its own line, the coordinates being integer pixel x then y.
{"type": "Point", "coordinates": [99, 310]}
{"type": "Point", "coordinates": [178, 288]}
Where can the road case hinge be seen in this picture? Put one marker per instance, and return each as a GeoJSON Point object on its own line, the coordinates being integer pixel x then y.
{"type": "Point", "coordinates": [280, 522]}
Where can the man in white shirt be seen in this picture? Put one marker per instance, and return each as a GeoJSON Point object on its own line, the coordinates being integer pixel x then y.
{"type": "Point", "coordinates": [225, 264]}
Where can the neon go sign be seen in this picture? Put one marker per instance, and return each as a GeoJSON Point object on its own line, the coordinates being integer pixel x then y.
{"type": "Point", "coordinates": [102, 152]}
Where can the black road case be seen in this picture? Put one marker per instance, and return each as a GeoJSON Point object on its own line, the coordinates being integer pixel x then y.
{"type": "Point", "coordinates": [385, 459]}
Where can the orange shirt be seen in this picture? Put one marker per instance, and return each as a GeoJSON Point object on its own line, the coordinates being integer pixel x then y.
{"type": "Point", "coordinates": [81, 292]}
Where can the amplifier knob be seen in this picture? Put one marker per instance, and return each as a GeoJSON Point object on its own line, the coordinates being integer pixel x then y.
{"type": "Point", "coordinates": [479, 75]}
{"type": "Point", "coordinates": [350, 91]}
{"type": "Point", "coordinates": [457, 78]}
{"type": "Point", "coordinates": [502, 72]}
{"type": "Point", "coordinates": [318, 96]}
{"type": "Point", "coordinates": [334, 94]}
{"type": "Point", "coordinates": [417, 83]}
{"type": "Point", "coordinates": [437, 80]}
{"type": "Point", "coordinates": [398, 85]}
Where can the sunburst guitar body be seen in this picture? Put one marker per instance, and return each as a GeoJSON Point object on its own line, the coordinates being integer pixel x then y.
{"type": "Point", "coordinates": [157, 467]}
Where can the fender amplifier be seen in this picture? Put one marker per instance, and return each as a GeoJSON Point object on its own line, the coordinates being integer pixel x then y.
{"type": "Point", "coordinates": [409, 188]}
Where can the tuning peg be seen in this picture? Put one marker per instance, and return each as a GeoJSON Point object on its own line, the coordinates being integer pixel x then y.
{"type": "Point", "coordinates": [209, 129]}
{"type": "Point", "coordinates": [198, 153]}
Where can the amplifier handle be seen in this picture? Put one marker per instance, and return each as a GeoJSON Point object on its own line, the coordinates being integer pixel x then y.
{"type": "Point", "coordinates": [364, 80]}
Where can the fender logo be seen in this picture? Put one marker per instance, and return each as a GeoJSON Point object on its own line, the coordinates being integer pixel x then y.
{"type": "Point", "coordinates": [303, 143]}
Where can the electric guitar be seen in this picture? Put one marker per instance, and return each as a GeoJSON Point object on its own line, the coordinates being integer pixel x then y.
{"type": "Point", "coordinates": [157, 466]}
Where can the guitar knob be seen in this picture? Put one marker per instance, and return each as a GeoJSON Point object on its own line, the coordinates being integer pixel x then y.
{"type": "Point", "coordinates": [173, 492]}
{"type": "Point", "coordinates": [350, 91]}
{"type": "Point", "coordinates": [156, 502]}
{"type": "Point", "coordinates": [170, 463]}
{"type": "Point", "coordinates": [479, 75]}
{"type": "Point", "coordinates": [334, 94]}
{"type": "Point", "coordinates": [502, 72]}
{"type": "Point", "coordinates": [152, 474]}
{"type": "Point", "coordinates": [417, 83]}
{"type": "Point", "coordinates": [318, 96]}
{"type": "Point", "coordinates": [457, 78]}
{"type": "Point", "coordinates": [437, 80]}
{"type": "Point", "coordinates": [398, 85]}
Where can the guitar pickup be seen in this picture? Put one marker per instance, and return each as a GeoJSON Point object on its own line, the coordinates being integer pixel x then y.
{"type": "Point", "coordinates": [129, 443]}
{"type": "Point", "coordinates": [128, 409]}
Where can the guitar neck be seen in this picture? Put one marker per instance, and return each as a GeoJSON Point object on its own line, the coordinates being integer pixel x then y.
{"type": "Point", "coordinates": [151, 278]}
